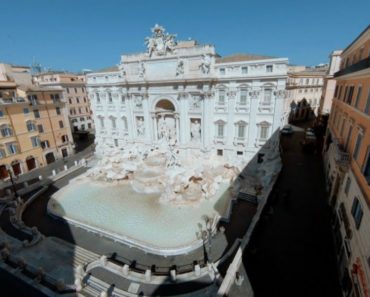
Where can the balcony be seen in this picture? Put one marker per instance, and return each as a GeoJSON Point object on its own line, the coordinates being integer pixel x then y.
{"type": "Point", "coordinates": [340, 156]}
{"type": "Point", "coordinates": [361, 65]}
{"type": "Point", "coordinates": [12, 100]}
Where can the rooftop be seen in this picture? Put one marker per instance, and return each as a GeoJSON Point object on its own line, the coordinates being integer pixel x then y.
{"type": "Point", "coordinates": [242, 57]}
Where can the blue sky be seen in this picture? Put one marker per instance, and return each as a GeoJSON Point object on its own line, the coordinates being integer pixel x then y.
{"type": "Point", "coordinates": [72, 35]}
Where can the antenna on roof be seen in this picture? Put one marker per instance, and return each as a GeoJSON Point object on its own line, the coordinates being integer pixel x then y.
{"type": "Point", "coordinates": [35, 67]}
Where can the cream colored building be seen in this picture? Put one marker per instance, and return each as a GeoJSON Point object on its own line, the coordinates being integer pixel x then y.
{"type": "Point", "coordinates": [34, 126]}
{"type": "Point", "coordinates": [75, 94]}
{"type": "Point", "coordinates": [330, 83]}
{"type": "Point", "coordinates": [304, 90]}
{"type": "Point", "coordinates": [347, 164]}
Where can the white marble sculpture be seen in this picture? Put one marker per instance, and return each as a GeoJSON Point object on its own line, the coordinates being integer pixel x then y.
{"type": "Point", "coordinates": [180, 67]}
{"type": "Point", "coordinates": [140, 126]}
{"type": "Point", "coordinates": [206, 64]}
{"type": "Point", "coordinates": [160, 43]}
{"type": "Point", "coordinates": [195, 131]}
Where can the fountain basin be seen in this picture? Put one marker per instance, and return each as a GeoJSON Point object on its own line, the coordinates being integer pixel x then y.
{"type": "Point", "coordinates": [137, 219]}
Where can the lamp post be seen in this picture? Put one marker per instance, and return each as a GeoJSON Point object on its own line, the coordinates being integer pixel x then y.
{"type": "Point", "coordinates": [12, 181]}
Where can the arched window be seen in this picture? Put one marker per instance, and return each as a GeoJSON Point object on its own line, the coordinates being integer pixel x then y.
{"type": "Point", "coordinates": [30, 126]}
{"type": "Point", "coordinates": [220, 128]}
{"type": "Point", "coordinates": [124, 120]}
{"type": "Point", "coordinates": [113, 122]}
{"type": "Point", "coordinates": [241, 128]}
{"type": "Point", "coordinates": [264, 130]}
{"type": "Point", "coordinates": [6, 131]}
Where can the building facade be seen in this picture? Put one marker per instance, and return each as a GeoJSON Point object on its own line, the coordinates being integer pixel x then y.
{"type": "Point", "coordinates": [33, 123]}
{"type": "Point", "coordinates": [329, 83]}
{"type": "Point", "coordinates": [185, 92]}
{"type": "Point", "coordinates": [347, 156]}
{"type": "Point", "coordinates": [304, 90]}
{"type": "Point", "coordinates": [75, 94]}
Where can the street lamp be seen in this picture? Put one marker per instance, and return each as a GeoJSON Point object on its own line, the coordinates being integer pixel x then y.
{"type": "Point", "coordinates": [12, 181]}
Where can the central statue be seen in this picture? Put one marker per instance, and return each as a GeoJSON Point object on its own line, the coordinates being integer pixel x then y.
{"type": "Point", "coordinates": [160, 43]}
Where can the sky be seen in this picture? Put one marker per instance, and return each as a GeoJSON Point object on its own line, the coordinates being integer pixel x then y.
{"type": "Point", "coordinates": [73, 35]}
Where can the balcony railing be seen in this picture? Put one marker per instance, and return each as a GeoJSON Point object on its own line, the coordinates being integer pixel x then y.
{"type": "Point", "coordinates": [361, 65]}
{"type": "Point", "coordinates": [339, 154]}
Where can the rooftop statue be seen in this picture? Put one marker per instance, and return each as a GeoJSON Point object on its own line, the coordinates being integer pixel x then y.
{"type": "Point", "coordinates": [160, 43]}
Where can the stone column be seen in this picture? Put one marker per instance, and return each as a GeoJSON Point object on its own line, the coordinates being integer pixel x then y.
{"type": "Point", "coordinates": [155, 127]}
{"type": "Point", "coordinates": [184, 119]}
{"type": "Point", "coordinates": [131, 121]}
{"type": "Point", "coordinates": [147, 119]}
{"type": "Point", "coordinates": [252, 127]}
{"type": "Point", "coordinates": [230, 117]}
{"type": "Point", "coordinates": [177, 123]}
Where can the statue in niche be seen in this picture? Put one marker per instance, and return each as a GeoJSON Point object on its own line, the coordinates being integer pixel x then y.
{"type": "Point", "coordinates": [195, 131]}
{"type": "Point", "coordinates": [180, 67]}
{"type": "Point", "coordinates": [160, 42]}
{"type": "Point", "coordinates": [140, 127]}
{"type": "Point", "coordinates": [141, 70]}
{"type": "Point", "coordinates": [206, 64]}
{"type": "Point", "coordinates": [162, 128]}
{"type": "Point", "coordinates": [138, 102]}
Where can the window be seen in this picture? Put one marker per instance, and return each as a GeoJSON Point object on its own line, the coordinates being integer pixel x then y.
{"type": "Point", "coordinates": [307, 81]}
{"type": "Point", "coordinates": [70, 100]}
{"type": "Point", "coordinates": [35, 140]}
{"type": "Point", "coordinates": [358, 97]}
{"type": "Point", "coordinates": [267, 94]}
{"type": "Point", "coordinates": [65, 138]}
{"type": "Point", "coordinates": [244, 70]}
{"type": "Point", "coordinates": [61, 125]}
{"type": "Point", "coordinates": [101, 122]}
{"type": "Point", "coordinates": [239, 153]}
{"type": "Point", "coordinates": [40, 128]}
{"type": "Point", "coordinates": [345, 93]}
{"type": "Point", "coordinates": [367, 106]}
{"type": "Point", "coordinates": [114, 126]}
{"type": "Point", "coordinates": [269, 68]}
{"type": "Point", "coordinates": [348, 138]}
{"type": "Point", "coordinates": [68, 90]}
{"type": "Point", "coordinates": [33, 99]}
{"type": "Point", "coordinates": [57, 109]}
{"type": "Point", "coordinates": [75, 90]}
{"type": "Point", "coordinates": [79, 110]}
{"type": "Point", "coordinates": [97, 98]}
{"type": "Point", "coordinates": [340, 92]}
{"type": "Point", "coordinates": [350, 95]}
{"type": "Point", "coordinates": [30, 126]}
{"type": "Point", "coordinates": [87, 109]}
{"type": "Point", "coordinates": [220, 152]}
{"type": "Point", "coordinates": [12, 148]}
{"type": "Point", "coordinates": [1, 113]}
{"type": "Point", "coordinates": [220, 130]}
{"type": "Point", "coordinates": [82, 119]}
{"type": "Point", "coordinates": [2, 153]}
{"type": "Point", "coordinates": [241, 131]}
{"type": "Point", "coordinates": [45, 144]}
{"type": "Point", "coordinates": [243, 97]}
{"type": "Point", "coordinates": [116, 142]}
{"type": "Point", "coordinates": [336, 91]}
{"type": "Point", "coordinates": [26, 110]}
{"type": "Point", "coordinates": [55, 98]}
{"type": "Point", "coordinates": [366, 167]}
{"type": "Point", "coordinates": [357, 146]}
{"type": "Point", "coordinates": [110, 100]}
{"type": "Point", "coordinates": [77, 99]}
{"type": "Point", "coordinates": [357, 212]}
{"type": "Point", "coordinates": [347, 186]}
{"type": "Point", "coordinates": [221, 97]}
{"type": "Point", "coordinates": [6, 131]}
{"type": "Point", "coordinates": [122, 99]}
{"type": "Point", "coordinates": [264, 130]}
{"type": "Point", "coordinates": [222, 71]}
{"type": "Point", "coordinates": [85, 99]}
{"type": "Point", "coordinates": [36, 113]}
